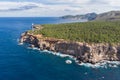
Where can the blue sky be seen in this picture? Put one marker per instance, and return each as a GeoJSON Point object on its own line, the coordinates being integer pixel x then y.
{"type": "Point", "coordinates": [37, 8]}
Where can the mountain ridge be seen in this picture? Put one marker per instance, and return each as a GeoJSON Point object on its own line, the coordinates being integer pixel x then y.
{"type": "Point", "coordinates": [106, 16]}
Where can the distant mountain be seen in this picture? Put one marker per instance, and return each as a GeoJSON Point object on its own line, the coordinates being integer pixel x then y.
{"type": "Point", "coordinates": [88, 16]}
{"type": "Point", "coordinates": [107, 16]}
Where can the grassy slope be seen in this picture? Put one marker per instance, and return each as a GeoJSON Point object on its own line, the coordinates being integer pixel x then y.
{"type": "Point", "coordinates": [96, 32]}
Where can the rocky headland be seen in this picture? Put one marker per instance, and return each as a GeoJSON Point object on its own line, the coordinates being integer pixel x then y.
{"type": "Point", "coordinates": [83, 52]}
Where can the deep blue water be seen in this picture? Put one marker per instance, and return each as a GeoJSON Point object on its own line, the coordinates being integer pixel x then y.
{"type": "Point", "coordinates": [17, 62]}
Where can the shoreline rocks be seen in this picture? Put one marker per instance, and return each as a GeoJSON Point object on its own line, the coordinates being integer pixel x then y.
{"type": "Point", "coordinates": [83, 52]}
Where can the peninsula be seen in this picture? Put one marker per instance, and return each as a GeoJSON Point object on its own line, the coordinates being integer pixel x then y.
{"type": "Point", "coordinates": [90, 42]}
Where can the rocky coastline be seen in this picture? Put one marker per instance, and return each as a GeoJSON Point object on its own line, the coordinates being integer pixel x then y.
{"type": "Point", "coordinates": [83, 52]}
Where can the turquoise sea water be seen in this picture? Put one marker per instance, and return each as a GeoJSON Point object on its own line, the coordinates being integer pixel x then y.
{"type": "Point", "coordinates": [17, 62]}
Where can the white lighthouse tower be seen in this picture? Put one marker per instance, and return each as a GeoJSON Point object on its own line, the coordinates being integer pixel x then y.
{"type": "Point", "coordinates": [32, 26]}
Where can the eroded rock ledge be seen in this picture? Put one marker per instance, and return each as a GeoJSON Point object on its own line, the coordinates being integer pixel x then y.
{"type": "Point", "coordinates": [92, 53]}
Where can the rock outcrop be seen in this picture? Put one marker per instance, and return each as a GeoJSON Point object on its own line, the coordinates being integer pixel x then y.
{"type": "Point", "coordinates": [83, 52]}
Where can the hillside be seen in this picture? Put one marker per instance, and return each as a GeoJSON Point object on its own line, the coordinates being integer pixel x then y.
{"type": "Point", "coordinates": [90, 32]}
{"type": "Point", "coordinates": [88, 16]}
{"type": "Point", "coordinates": [107, 16]}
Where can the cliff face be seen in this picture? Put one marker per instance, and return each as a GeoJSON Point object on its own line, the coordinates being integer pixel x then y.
{"type": "Point", "coordinates": [84, 52]}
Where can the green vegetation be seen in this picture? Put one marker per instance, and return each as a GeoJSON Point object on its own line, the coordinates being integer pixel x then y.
{"type": "Point", "coordinates": [96, 32]}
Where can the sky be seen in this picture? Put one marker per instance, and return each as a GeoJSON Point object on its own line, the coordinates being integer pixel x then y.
{"type": "Point", "coordinates": [53, 8]}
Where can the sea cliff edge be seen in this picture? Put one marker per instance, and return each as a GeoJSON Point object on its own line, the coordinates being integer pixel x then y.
{"type": "Point", "coordinates": [83, 52]}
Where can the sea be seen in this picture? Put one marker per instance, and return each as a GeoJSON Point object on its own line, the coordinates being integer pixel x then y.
{"type": "Point", "coordinates": [18, 62]}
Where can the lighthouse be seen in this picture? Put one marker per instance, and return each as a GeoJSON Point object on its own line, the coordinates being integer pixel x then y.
{"type": "Point", "coordinates": [32, 26]}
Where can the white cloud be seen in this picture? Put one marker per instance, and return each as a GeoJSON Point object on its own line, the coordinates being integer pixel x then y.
{"type": "Point", "coordinates": [33, 9]}
{"type": "Point", "coordinates": [57, 7]}
{"type": "Point", "coordinates": [19, 8]}
{"type": "Point", "coordinates": [16, 5]}
{"type": "Point", "coordinates": [69, 1]}
{"type": "Point", "coordinates": [114, 2]}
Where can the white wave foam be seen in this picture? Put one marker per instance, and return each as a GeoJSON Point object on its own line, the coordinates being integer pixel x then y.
{"type": "Point", "coordinates": [20, 43]}
{"type": "Point", "coordinates": [59, 54]}
{"type": "Point", "coordinates": [35, 48]}
{"type": "Point", "coordinates": [102, 64]}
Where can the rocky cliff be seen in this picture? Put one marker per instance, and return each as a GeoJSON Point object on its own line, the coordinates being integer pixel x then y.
{"type": "Point", "coordinates": [92, 53]}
